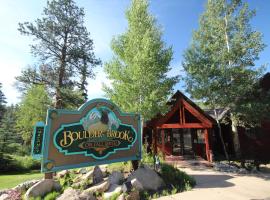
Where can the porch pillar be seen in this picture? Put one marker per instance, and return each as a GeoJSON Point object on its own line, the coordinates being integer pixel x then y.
{"type": "Point", "coordinates": [207, 145]}
{"type": "Point", "coordinates": [163, 142]}
{"type": "Point", "coordinates": [154, 140]}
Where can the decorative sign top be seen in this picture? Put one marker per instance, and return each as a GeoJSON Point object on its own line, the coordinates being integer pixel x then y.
{"type": "Point", "coordinates": [97, 133]}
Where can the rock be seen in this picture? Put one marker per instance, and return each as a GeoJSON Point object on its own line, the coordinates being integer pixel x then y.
{"type": "Point", "coordinates": [82, 171]}
{"type": "Point", "coordinates": [114, 189]}
{"type": "Point", "coordinates": [101, 187]}
{"type": "Point", "coordinates": [4, 196]}
{"type": "Point", "coordinates": [3, 191]}
{"type": "Point", "coordinates": [88, 175]}
{"type": "Point", "coordinates": [56, 186]}
{"type": "Point", "coordinates": [62, 173]}
{"type": "Point", "coordinates": [121, 197]}
{"type": "Point", "coordinates": [127, 186]}
{"type": "Point", "coordinates": [148, 178]}
{"type": "Point", "coordinates": [87, 196]}
{"type": "Point", "coordinates": [116, 177]}
{"type": "Point", "coordinates": [41, 188]}
{"type": "Point", "coordinates": [25, 185]}
{"type": "Point", "coordinates": [73, 194]}
{"type": "Point", "coordinates": [134, 195]}
{"type": "Point", "coordinates": [136, 184]}
{"type": "Point", "coordinates": [97, 175]}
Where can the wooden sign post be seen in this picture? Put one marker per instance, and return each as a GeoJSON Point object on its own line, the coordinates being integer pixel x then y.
{"type": "Point", "coordinates": [97, 133]}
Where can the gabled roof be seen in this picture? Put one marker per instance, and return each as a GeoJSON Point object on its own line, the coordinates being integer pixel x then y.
{"type": "Point", "coordinates": [174, 103]}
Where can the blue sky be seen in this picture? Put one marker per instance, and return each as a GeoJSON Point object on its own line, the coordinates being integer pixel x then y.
{"type": "Point", "coordinates": [105, 19]}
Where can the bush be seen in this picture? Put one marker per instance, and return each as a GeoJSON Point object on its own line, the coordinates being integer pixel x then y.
{"type": "Point", "coordinates": [12, 163]}
{"type": "Point", "coordinates": [176, 178]}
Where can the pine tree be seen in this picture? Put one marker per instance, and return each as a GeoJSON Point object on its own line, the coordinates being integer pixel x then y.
{"type": "Point", "coordinates": [138, 68]}
{"type": "Point", "coordinates": [8, 132]}
{"type": "Point", "coordinates": [2, 103]}
{"type": "Point", "coordinates": [220, 62]}
{"type": "Point", "coordinates": [64, 49]}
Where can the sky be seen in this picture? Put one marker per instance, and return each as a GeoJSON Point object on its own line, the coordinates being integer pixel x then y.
{"type": "Point", "coordinates": [105, 19]}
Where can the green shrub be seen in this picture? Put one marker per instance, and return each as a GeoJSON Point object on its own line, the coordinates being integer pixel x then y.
{"type": "Point", "coordinates": [12, 163]}
{"type": "Point", "coordinates": [52, 195]}
{"type": "Point", "coordinates": [178, 179]}
{"type": "Point", "coordinates": [26, 162]}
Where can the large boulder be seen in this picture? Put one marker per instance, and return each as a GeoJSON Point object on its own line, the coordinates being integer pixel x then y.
{"type": "Point", "coordinates": [114, 189]}
{"type": "Point", "coordinates": [73, 194]}
{"type": "Point", "coordinates": [116, 177]}
{"type": "Point", "coordinates": [101, 187]}
{"type": "Point", "coordinates": [147, 178]}
{"type": "Point", "coordinates": [25, 185]}
{"type": "Point", "coordinates": [41, 188]}
{"type": "Point", "coordinates": [97, 175]}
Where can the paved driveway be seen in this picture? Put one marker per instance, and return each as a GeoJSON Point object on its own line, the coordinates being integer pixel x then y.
{"type": "Point", "coordinates": [212, 185]}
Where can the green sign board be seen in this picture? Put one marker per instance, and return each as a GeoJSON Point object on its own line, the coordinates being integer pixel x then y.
{"type": "Point", "coordinates": [37, 142]}
{"type": "Point", "coordinates": [97, 133]}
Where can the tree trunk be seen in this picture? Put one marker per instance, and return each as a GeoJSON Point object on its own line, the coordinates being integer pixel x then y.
{"type": "Point", "coordinates": [236, 142]}
{"type": "Point", "coordinates": [220, 135]}
{"type": "Point", "coordinates": [222, 141]}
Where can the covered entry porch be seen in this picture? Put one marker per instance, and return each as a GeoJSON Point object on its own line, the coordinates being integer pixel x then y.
{"type": "Point", "coordinates": [185, 131]}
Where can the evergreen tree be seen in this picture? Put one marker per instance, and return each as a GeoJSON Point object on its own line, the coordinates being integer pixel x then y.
{"type": "Point", "coordinates": [220, 62]}
{"type": "Point", "coordinates": [139, 65]}
{"type": "Point", "coordinates": [2, 103]}
{"type": "Point", "coordinates": [8, 132]}
{"type": "Point", "coordinates": [33, 108]}
{"type": "Point", "coordinates": [64, 49]}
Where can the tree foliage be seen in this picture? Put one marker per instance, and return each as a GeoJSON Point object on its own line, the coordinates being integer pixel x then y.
{"type": "Point", "coordinates": [138, 69]}
{"type": "Point", "coordinates": [2, 102]}
{"type": "Point", "coordinates": [220, 62]}
{"type": "Point", "coordinates": [8, 131]}
{"type": "Point", "coordinates": [32, 109]}
{"type": "Point", "coordinates": [64, 49]}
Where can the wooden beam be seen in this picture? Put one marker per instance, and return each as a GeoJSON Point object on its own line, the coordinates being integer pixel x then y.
{"type": "Point", "coordinates": [187, 125]}
{"type": "Point", "coordinates": [163, 142]}
{"type": "Point", "coordinates": [196, 113]}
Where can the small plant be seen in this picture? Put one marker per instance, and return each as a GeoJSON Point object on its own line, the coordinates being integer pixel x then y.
{"type": "Point", "coordinates": [115, 196]}
{"type": "Point", "coordinates": [178, 179]}
{"type": "Point", "coordinates": [52, 195]}
{"type": "Point", "coordinates": [67, 180]}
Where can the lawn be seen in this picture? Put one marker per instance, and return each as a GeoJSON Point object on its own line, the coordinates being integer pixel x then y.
{"type": "Point", "coordinates": [9, 180]}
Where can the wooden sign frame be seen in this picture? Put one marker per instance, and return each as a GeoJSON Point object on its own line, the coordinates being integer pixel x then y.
{"type": "Point", "coordinates": [67, 144]}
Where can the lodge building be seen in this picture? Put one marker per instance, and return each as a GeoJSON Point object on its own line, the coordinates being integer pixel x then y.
{"type": "Point", "coordinates": [187, 131]}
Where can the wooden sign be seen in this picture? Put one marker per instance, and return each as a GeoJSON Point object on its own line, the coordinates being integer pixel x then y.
{"type": "Point", "coordinates": [37, 140]}
{"type": "Point", "coordinates": [97, 133]}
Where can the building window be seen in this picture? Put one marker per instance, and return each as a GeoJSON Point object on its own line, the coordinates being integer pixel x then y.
{"type": "Point", "coordinates": [200, 137]}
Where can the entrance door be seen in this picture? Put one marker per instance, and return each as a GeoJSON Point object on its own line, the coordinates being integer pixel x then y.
{"type": "Point", "coordinates": [187, 140]}
{"type": "Point", "coordinates": [181, 142]}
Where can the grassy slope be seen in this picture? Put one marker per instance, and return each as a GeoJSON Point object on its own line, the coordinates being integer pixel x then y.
{"type": "Point", "coordinates": [9, 180]}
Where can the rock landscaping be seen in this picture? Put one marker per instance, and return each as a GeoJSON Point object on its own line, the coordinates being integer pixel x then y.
{"type": "Point", "coordinates": [96, 184]}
